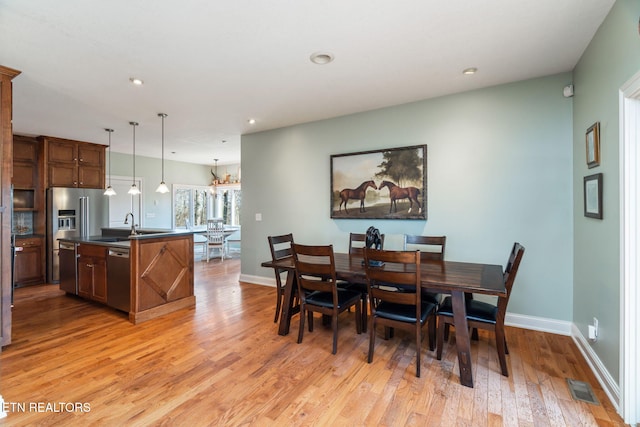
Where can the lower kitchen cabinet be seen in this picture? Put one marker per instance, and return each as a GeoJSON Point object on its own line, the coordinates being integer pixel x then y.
{"type": "Point", "coordinates": [28, 268]}
{"type": "Point", "coordinates": [92, 272]}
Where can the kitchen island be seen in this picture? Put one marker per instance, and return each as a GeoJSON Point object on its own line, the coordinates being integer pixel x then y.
{"type": "Point", "coordinates": [159, 270]}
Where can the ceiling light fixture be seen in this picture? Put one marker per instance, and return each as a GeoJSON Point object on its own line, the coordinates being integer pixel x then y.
{"type": "Point", "coordinates": [136, 81]}
{"type": "Point", "coordinates": [134, 189]}
{"type": "Point", "coordinates": [162, 188]}
{"type": "Point", "coordinates": [109, 191]}
{"type": "Point", "coordinates": [321, 58]}
{"type": "Point", "coordinates": [252, 121]}
{"type": "Point", "coordinates": [469, 71]}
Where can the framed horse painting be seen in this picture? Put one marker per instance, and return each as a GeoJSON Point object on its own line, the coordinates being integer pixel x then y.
{"type": "Point", "coordinates": [380, 184]}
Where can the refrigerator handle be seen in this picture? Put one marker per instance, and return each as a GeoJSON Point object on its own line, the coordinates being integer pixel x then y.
{"type": "Point", "coordinates": [84, 216]}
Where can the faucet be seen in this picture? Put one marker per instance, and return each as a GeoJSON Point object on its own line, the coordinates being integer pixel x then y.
{"type": "Point", "coordinates": [133, 224]}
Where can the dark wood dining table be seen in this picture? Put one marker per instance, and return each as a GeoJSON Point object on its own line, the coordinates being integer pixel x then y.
{"type": "Point", "coordinates": [451, 277]}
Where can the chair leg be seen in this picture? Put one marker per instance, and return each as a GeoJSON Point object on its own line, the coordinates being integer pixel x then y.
{"type": "Point", "coordinates": [310, 314]}
{"type": "Point", "coordinates": [418, 347]}
{"type": "Point", "coordinates": [446, 332]}
{"type": "Point", "coordinates": [432, 332]}
{"type": "Point", "coordinates": [301, 330]}
{"type": "Point", "coordinates": [364, 308]}
{"type": "Point", "coordinates": [358, 319]}
{"type": "Point", "coordinates": [334, 327]}
{"type": "Point", "coordinates": [500, 344]}
{"type": "Point", "coordinates": [440, 335]}
{"type": "Point", "coordinates": [279, 296]}
{"type": "Point", "coordinates": [506, 349]}
{"type": "Point", "coordinates": [372, 338]}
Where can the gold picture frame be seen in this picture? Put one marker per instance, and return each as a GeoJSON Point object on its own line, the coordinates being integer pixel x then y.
{"type": "Point", "coordinates": [593, 145]}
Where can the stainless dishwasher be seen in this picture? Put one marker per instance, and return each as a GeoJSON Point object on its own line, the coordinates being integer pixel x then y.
{"type": "Point", "coordinates": [118, 279]}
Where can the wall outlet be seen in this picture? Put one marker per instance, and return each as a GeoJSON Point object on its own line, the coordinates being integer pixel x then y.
{"type": "Point", "coordinates": [258, 217]}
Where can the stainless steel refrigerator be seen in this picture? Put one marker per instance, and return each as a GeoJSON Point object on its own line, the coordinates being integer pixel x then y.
{"type": "Point", "coordinates": [72, 212]}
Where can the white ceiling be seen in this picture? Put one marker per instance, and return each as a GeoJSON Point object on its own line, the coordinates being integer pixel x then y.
{"type": "Point", "coordinates": [212, 64]}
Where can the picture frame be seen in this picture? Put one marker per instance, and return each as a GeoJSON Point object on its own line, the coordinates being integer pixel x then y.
{"type": "Point", "coordinates": [593, 196]}
{"type": "Point", "coordinates": [390, 183]}
{"type": "Point", "coordinates": [592, 140]}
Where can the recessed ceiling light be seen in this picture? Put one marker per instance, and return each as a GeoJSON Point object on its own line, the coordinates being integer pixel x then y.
{"type": "Point", "coordinates": [252, 121]}
{"type": "Point", "coordinates": [136, 81]}
{"type": "Point", "coordinates": [321, 58]}
{"type": "Point", "coordinates": [469, 71]}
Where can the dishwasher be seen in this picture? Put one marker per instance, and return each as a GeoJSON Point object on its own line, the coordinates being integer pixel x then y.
{"type": "Point", "coordinates": [118, 279]}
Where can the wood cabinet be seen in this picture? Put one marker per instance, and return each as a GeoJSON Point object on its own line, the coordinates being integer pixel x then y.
{"type": "Point", "coordinates": [28, 268]}
{"type": "Point", "coordinates": [92, 272]}
{"type": "Point", "coordinates": [74, 163]}
{"type": "Point", "coordinates": [25, 162]}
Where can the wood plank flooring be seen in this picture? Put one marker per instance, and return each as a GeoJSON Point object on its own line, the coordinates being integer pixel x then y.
{"type": "Point", "coordinates": [223, 364]}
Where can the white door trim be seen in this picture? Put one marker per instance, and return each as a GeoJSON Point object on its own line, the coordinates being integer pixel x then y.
{"type": "Point", "coordinates": [629, 250]}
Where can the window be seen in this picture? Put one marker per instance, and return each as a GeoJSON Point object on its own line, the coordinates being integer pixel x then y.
{"type": "Point", "coordinates": [190, 206]}
{"type": "Point", "coordinates": [227, 203]}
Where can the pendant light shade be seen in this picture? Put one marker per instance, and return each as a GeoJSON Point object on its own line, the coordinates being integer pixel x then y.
{"type": "Point", "coordinates": [109, 191]}
{"type": "Point", "coordinates": [162, 188]}
{"type": "Point", "coordinates": [134, 189]}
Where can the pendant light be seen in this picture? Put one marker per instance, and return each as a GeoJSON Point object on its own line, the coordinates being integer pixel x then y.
{"type": "Point", "coordinates": [162, 188]}
{"type": "Point", "coordinates": [134, 190]}
{"type": "Point", "coordinates": [109, 190]}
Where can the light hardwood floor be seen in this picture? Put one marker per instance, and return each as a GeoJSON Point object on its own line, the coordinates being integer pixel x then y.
{"type": "Point", "coordinates": [223, 363]}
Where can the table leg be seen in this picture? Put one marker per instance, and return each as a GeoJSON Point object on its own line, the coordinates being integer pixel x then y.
{"type": "Point", "coordinates": [462, 337]}
{"type": "Point", "coordinates": [287, 305]}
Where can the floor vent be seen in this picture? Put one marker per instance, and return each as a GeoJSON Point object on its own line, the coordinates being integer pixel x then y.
{"type": "Point", "coordinates": [582, 391]}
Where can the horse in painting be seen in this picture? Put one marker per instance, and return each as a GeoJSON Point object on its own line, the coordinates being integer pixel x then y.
{"type": "Point", "coordinates": [357, 193]}
{"type": "Point", "coordinates": [396, 193]}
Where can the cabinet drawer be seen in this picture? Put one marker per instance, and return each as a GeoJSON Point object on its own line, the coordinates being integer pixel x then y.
{"type": "Point", "coordinates": [28, 241]}
{"type": "Point", "coordinates": [92, 250]}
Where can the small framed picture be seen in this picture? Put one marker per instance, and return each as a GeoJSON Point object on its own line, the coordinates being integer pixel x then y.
{"type": "Point", "coordinates": [593, 196]}
{"type": "Point", "coordinates": [593, 145]}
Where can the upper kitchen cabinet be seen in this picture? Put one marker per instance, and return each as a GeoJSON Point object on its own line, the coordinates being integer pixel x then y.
{"type": "Point", "coordinates": [74, 163]}
{"type": "Point", "coordinates": [26, 155]}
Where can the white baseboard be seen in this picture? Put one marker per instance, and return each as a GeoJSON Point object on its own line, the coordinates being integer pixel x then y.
{"type": "Point", "coordinates": [542, 324]}
{"type": "Point", "coordinates": [603, 376]}
{"type": "Point", "coordinates": [258, 280]}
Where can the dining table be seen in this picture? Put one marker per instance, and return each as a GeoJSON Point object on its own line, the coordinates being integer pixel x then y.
{"type": "Point", "coordinates": [449, 277]}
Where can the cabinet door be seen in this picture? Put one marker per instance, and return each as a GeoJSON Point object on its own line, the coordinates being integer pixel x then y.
{"type": "Point", "coordinates": [90, 155]}
{"type": "Point", "coordinates": [23, 150]}
{"type": "Point", "coordinates": [63, 175]}
{"type": "Point", "coordinates": [28, 263]}
{"type": "Point", "coordinates": [99, 280]}
{"type": "Point", "coordinates": [24, 175]}
{"type": "Point", "coordinates": [62, 152]}
{"type": "Point", "coordinates": [90, 177]}
{"type": "Point", "coordinates": [85, 276]}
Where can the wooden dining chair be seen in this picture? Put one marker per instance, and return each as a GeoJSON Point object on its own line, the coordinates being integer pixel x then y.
{"type": "Point", "coordinates": [392, 309]}
{"type": "Point", "coordinates": [357, 242]}
{"type": "Point", "coordinates": [318, 289]}
{"type": "Point", "coordinates": [483, 315]}
{"type": "Point", "coordinates": [280, 247]}
{"type": "Point", "coordinates": [431, 248]}
{"type": "Point", "coordinates": [215, 236]}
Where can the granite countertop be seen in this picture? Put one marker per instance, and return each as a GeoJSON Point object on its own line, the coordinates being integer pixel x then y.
{"type": "Point", "coordinates": [120, 237]}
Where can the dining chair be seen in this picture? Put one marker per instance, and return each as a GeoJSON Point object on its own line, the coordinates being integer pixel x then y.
{"type": "Point", "coordinates": [431, 248]}
{"type": "Point", "coordinates": [280, 247]}
{"type": "Point", "coordinates": [484, 315]}
{"type": "Point", "coordinates": [404, 310]}
{"type": "Point", "coordinates": [357, 242]}
{"type": "Point", "coordinates": [318, 289]}
{"type": "Point", "coordinates": [215, 236]}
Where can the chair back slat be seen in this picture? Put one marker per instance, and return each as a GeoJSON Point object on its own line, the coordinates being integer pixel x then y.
{"type": "Point", "coordinates": [315, 268]}
{"type": "Point", "coordinates": [399, 268]}
{"type": "Point", "coordinates": [510, 272]}
{"type": "Point", "coordinates": [431, 247]}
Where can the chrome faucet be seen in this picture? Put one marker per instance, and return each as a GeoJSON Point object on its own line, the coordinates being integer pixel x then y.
{"type": "Point", "coordinates": [133, 223]}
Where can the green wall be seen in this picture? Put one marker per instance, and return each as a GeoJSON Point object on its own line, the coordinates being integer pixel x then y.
{"type": "Point", "coordinates": [499, 170]}
{"type": "Point", "coordinates": [613, 57]}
